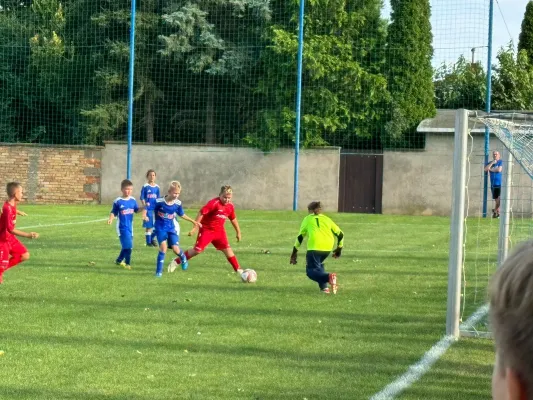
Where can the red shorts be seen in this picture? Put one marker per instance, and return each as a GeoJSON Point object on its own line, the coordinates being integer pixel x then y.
{"type": "Point", "coordinates": [7, 249]}
{"type": "Point", "coordinates": [218, 238]}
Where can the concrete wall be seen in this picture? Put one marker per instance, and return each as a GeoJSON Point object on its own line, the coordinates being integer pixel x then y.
{"type": "Point", "coordinates": [59, 174]}
{"type": "Point", "coordinates": [262, 181]}
{"type": "Point", "coordinates": [420, 183]}
{"type": "Point", "coordinates": [414, 183]}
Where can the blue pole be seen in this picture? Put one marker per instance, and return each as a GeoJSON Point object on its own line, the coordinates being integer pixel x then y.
{"type": "Point", "coordinates": [298, 103]}
{"type": "Point", "coordinates": [130, 89]}
{"type": "Point", "coordinates": [488, 106]}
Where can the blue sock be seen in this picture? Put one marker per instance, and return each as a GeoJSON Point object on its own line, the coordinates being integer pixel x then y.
{"type": "Point", "coordinates": [148, 236]}
{"type": "Point", "coordinates": [160, 262]}
{"type": "Point", "coordinates": [153, 237]}
{"type": "Point", "coordinates": [127, 256]}
{"type": "Point", "coordinates": [183, 257]}
{"type": "Point", "coordinates": [121, 256]}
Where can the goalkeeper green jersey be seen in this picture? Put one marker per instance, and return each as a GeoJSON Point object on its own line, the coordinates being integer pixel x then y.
{"type": "Point", "coordinates": [321, 231]}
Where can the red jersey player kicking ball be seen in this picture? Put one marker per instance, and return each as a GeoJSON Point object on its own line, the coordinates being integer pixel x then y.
{"type": "Point", "coordinates": [12, 252]}
{"type": "Point", "coordinates": [212, 217]}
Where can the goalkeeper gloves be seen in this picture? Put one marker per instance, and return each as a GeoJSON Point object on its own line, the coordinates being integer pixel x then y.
{"type": "Point", "coordinates": [337, 252]}
{"type": "Point", "coordinates": [294, 256]}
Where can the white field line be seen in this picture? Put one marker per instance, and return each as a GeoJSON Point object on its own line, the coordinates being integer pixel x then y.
{"type": "Point", "coordinates": [416, 371]}
{"type": "Point", "coordinates": [63, 224]}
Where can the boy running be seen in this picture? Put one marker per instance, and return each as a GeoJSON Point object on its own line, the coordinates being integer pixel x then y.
{"type": "Point", "coordinates": [212, 217]}
{"type": "Point", "coordinates": [12, 251]}
{"type": "Point", "coordinates": [149, 194]}
{"type": "Point", "coordinates": [166, 210]}
{"type": "Point", "coordinates": [322, 232]}
{"type": "Point", "coordinates": [123, 209]}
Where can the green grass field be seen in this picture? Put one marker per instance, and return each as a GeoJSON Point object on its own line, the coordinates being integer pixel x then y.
{"type": "Point", "coordinates": [75, 326]}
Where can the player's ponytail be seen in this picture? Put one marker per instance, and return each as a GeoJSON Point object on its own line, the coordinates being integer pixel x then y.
{"type": "Point", "coordinates": [225, 189]}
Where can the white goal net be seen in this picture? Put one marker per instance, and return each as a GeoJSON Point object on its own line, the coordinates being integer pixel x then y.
{"type": "Point", "coordinates": [480, 236]}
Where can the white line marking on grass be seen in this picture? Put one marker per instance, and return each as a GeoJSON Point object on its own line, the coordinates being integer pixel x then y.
{"type": "Point", "coordinates": [416, 371]}
{"type": "Point", "coordinates": [64, 224]}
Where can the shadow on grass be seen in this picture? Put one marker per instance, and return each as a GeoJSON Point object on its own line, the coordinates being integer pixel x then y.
{"type": "Point", "coordinates": [367, 359]}
{"type": "Point", "coordinates": [12, 392]}
{"type": "Point", "coordinates": [234, 310]}
{"type": "Point", "coordinates": [453, 380]}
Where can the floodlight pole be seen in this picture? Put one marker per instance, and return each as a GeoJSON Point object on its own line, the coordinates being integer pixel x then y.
{"type": "Point", "coordinates": [488, 105]}
{"type": "Point", "coordinates": [298, 104]}
{"type": "Point", "coordinates": [457, 223]}
{"type": "Point", "coordinates": [130, 88]}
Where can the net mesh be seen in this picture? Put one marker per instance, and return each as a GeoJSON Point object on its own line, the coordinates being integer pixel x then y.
{"type": "Point", "coordinates": [485, 236]}
{"type": "Point", "coordinates": [515, 131]}
{"type": "Point", "coordinates": [224, 73]}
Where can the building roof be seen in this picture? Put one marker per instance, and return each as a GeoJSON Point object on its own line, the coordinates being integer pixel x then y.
{"type": "Point", "coordinates": [444, 122]}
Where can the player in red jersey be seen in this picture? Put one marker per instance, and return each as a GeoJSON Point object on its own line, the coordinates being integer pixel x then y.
{"type": "Point", "coordinates": [12, 252]}
{"type": "Point", "coordinates": [212, 217]}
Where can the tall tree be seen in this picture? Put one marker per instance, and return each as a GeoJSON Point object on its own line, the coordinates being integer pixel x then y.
{"type": "Point", "coordinates": [35, 103]}
{"type": "Point", "coordinates": [525, 39]}
{"type": "Point", "coordinates": [461, 85]}
{"type": "Point", "coordinates": [512, 87]}
{"type": "Point", "coordinates": [343, 90]}
{"type": "Point", "coordinates": [103, 35]}
{"type": "Point", "coordinates": [214, 48]}
{"type": "Point", "coordinates": [410, 75]}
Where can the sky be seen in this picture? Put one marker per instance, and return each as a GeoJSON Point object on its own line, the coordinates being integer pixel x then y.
{"type": "Point", "coordinates": [460, 25]}
{"type": "Point", "coordinates": [510, 13]}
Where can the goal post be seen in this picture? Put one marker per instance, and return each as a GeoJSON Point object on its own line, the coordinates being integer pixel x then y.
{"type": "Point", "coordinates": [457, 222]}
{"type": "Point", "coordinates": [507, 134]}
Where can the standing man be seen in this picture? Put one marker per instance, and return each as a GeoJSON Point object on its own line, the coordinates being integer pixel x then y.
{"type": "Point", "coordinates": [494, 168]}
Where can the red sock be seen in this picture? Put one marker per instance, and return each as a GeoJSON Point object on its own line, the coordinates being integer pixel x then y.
{"type": "Point", "coordinates": [178, 260]}
{"type": "Point", "coordinates": [16, 259]}
{"type": "Point", "coordinates": [234, 263]}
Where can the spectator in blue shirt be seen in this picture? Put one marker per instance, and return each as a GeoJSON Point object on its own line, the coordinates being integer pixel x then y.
{"type": "Point", "coordinates": [494, 168]}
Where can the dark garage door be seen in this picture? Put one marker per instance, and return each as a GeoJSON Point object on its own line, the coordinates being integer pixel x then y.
{"type": "Point", "coordinates": [360, 183]}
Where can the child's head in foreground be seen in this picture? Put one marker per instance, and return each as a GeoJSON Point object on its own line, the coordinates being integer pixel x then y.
{"type": "Point", "coordinates": [511, 315]}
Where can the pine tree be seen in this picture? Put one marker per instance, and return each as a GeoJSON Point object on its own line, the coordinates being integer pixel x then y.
{"type": "Point", "coordinates": [215, 46]}
{"type": "Point", "coordinates": [525, 40]}
{"type": "Point", "coordinates": [343, 89]}
{"type": "Point", "coordinates": [409, 71]}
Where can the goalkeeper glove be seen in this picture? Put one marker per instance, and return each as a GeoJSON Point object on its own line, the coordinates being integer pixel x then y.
{"type": "Point", "coordinates": [294, 256]}
{"type": "Point", "coordinates": [337, 252]}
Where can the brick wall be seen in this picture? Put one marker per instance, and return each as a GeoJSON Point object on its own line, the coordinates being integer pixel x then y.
{"type": "Point", "coordinates": [60, 174]}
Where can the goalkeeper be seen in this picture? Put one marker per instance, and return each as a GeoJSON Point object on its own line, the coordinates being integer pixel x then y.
{"type": "Point", "coordinates": [322, 232]}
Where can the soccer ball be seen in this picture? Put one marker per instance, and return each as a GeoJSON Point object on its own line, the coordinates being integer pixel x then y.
{"type": "Point", "coordinates": [249, 276]}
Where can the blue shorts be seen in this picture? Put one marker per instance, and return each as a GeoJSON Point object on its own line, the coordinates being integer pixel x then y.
{"type": "Point", "coordinates": [151, 219]}
{"type": "Point", "coordinates": [172, 238]}
{"type": "Point", "coordinates": [126, 240]}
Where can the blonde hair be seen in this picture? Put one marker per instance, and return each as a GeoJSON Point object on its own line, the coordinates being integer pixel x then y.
{"type": "Point", "coordinates": [174, 185]}
{"type": "Point", "coordinates": [511, 313]}
{"type": "Point", "coordinates": [225, 189]}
